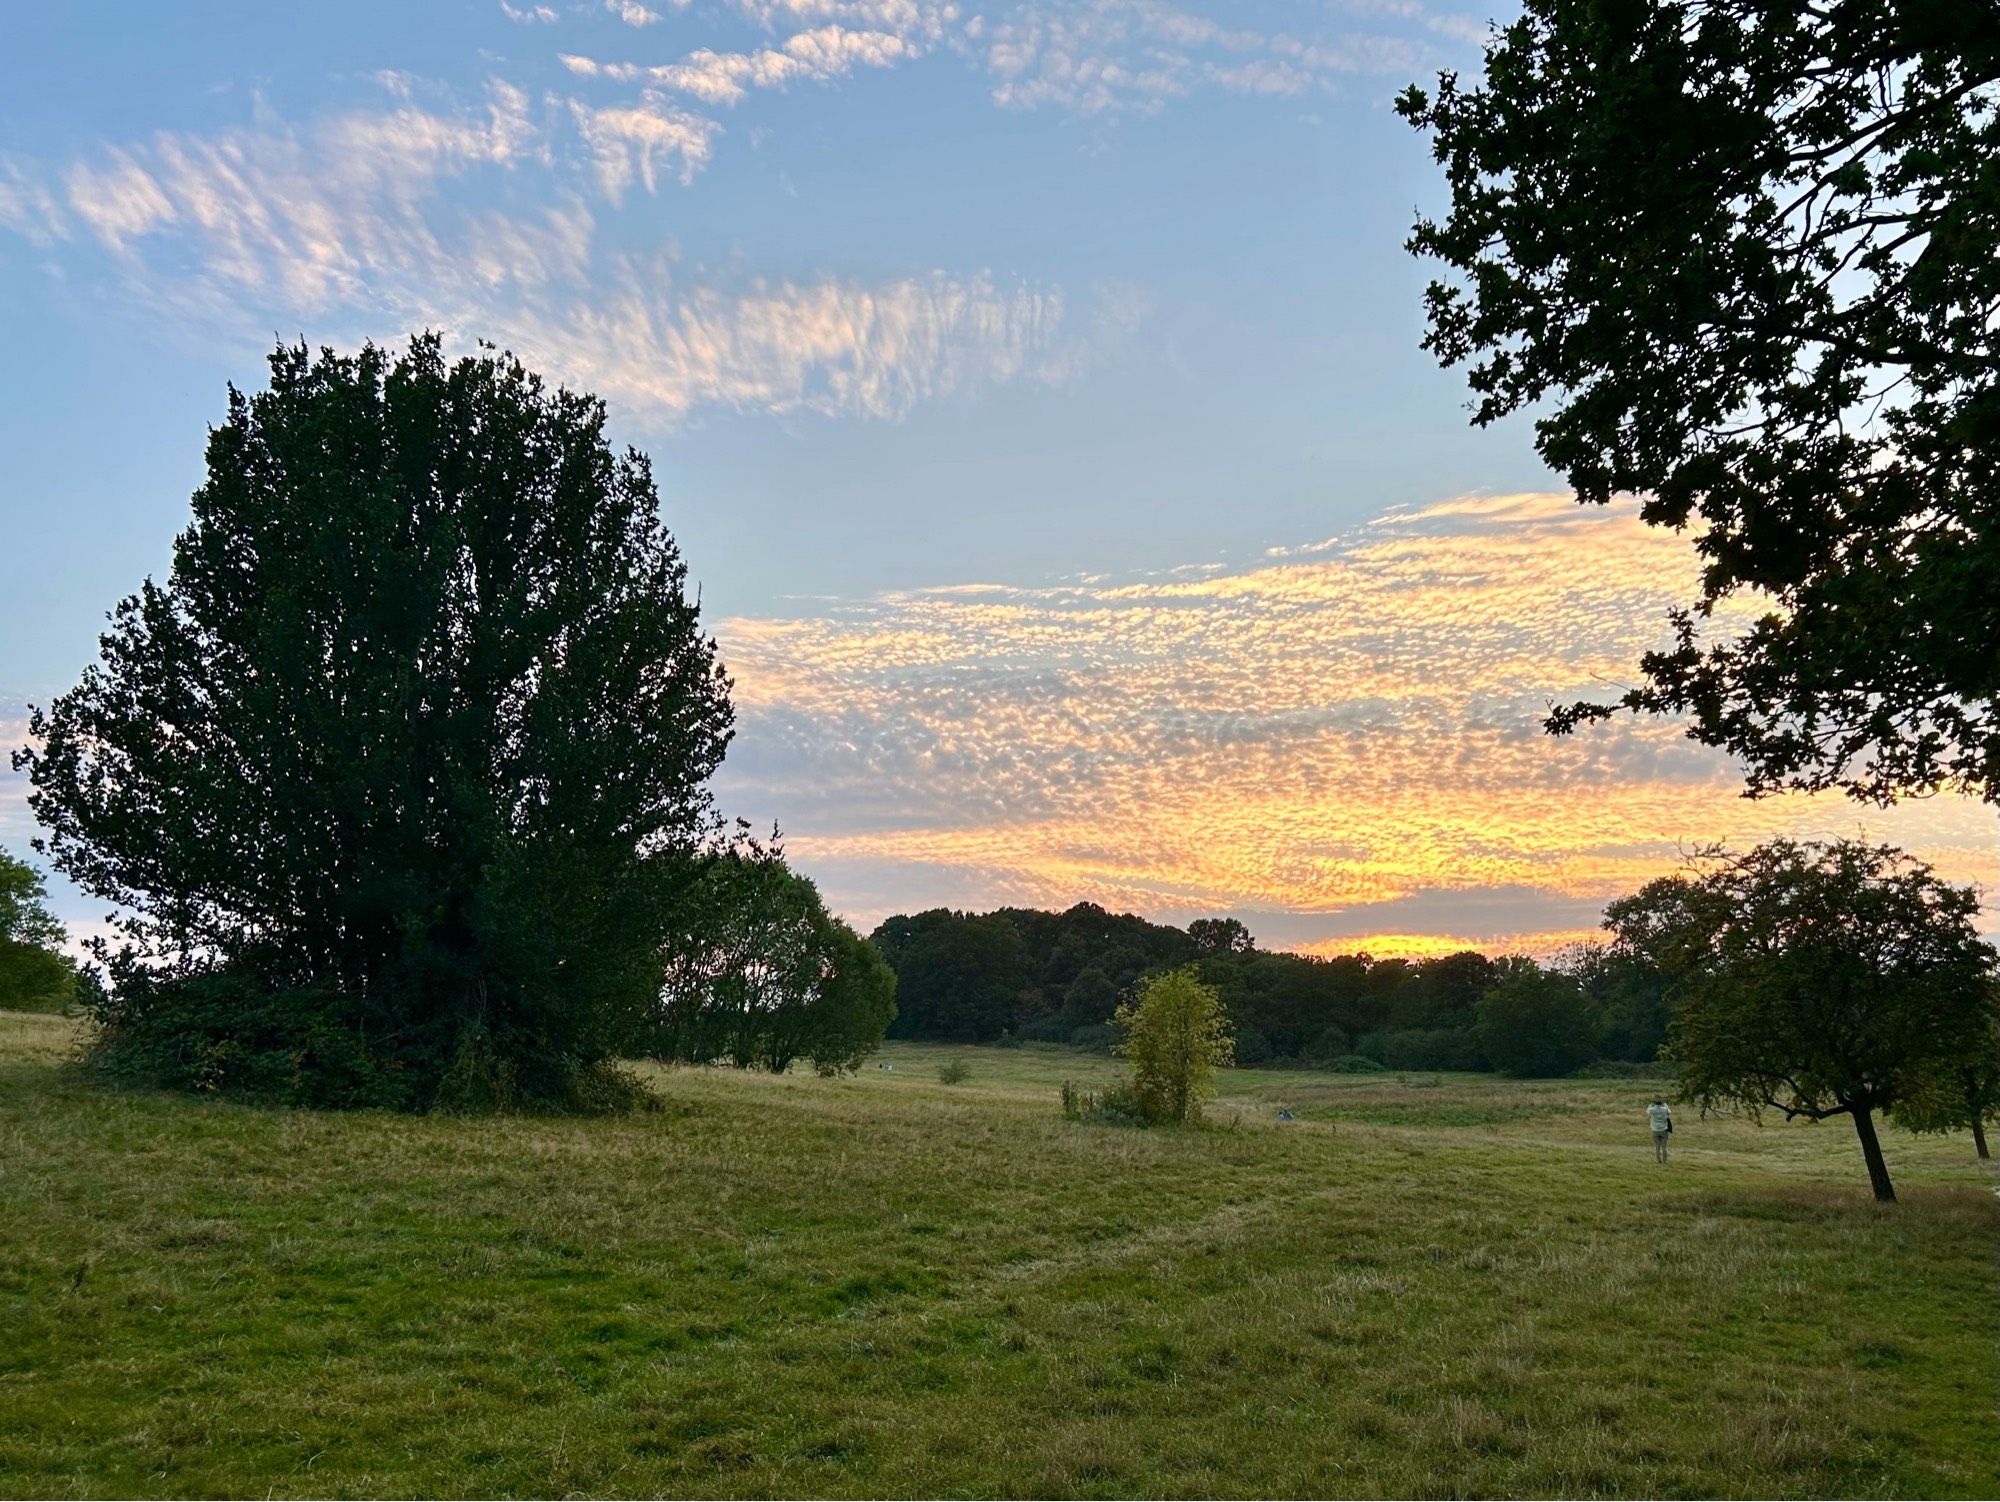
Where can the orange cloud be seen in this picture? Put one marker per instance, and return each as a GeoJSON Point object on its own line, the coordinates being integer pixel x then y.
{"type": "Point", "coordinates": [1336, 738]}
{"type": "Point", "coordinates": [1430, 946]}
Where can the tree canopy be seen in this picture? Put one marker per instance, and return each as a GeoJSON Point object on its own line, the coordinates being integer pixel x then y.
{"type": "Point", "coordinates": [1176, 1036]}
{"type": "Point", "coordinates": [400, 770]}
{"type": "Point", "coordinates": [35, 975]}
{"type": "Point", "coordinates": [1742, 258]}
{"type": "Point", "coordinates": [1045, 977]}
{"type": "Point", "coordinates": [760, 974]}
{"type": "Point", "coordinates": [1817, 980]}
{"type": "Point", "coordinates": [1535, 1022]}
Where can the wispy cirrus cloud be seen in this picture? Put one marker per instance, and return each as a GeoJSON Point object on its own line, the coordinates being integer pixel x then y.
{"type": "Point", "coordinates": [346, 222]}
{"type": "Point", "coordinates": [505, 217]}
{"type": "Point", "coordinates": [1090, 57]}
{"type": "Point", "coordinates": [819, 55]}
{"type": "Point", "coordinates": [831, 346]}
{"type": "Point", "coordinates": [636, 141]}
{"type": "Point", "coordinates": [1138, 56]}
{"type": "Point", "coordinates": [1343, 744]}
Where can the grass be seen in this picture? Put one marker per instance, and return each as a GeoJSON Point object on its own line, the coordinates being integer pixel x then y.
{"type": "Point", "coordinates": [888, 1285]}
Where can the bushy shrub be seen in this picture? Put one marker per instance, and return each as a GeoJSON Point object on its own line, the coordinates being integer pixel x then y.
{"type": "Point", "coordinates": [954, 1072]}
{"type": "Point", "coordinates": [1176, 1036]}
{"type": "Point", "coordinates": [1356, 1063]}
{"type": "Point", "coordinates": [1253, 1048]}
{"type": "Point", "coordinates": [1623, 1069]}
{"type": "Point", "coordinates": [222, 1032]}
{"type": "Point", "coordinates": [1047, 1028]}
{"type": "Point", "coordinates": [1103, 1037]}
{"type": "Point", "coordinates": [225, 1032]}
{"type": "Point", "coordinates": [1114, 1105]}
{"type": "Point", "coordinates": [1327, 1044]}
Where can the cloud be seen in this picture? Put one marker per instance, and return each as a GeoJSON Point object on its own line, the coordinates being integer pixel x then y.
{"type": "Point", "coordinates": [833, 347]}
{"type": "Point", "coordinates": [29, 208]}
{"type": "Point", "coordinates": [17, 825]}
{"type": "Point", "coordinates": [1347, 742]}
{"type": "Point", "coordinates": [633, 140]}
{"type": "Point", "coordinates": [528, 15]}
{"type": "Point", "coordinates": [119, 200]}
{"type": "Point", "coordinates": [1102, 57]}
{"type": "Point", "coordinates": [348, 222]}
{"type": "Point", "coordinates": [632, 13]}
{"type": "Point", "coordinates": [819, 55]}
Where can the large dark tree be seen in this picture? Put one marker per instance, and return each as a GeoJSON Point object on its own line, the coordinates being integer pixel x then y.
{"type": "Point", "coordinates": [1628, 995]}
{"type": "Point", "coordinates": [1819, 981]}
{"type": "Point", "coordinates": [397, 774]}
{"type": "Point", "coordinates": [959, 978]}
{"type": "Point", "coordinates": [1535, 1022]}
{"type": "Point", "coordinates": [1742, 258]}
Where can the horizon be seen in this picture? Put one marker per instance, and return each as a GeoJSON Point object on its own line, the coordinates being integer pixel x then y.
{"type": "Point", "coordinates": [1034, 391]}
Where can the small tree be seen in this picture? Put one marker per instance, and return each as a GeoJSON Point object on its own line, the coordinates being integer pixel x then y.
{"type": "Point", "coordinates": [1817, 980]}
{"type": "Point", "coordinates": [1176, 1035]}
{"type": "Point", "coordinates": [757, 972]}
{"type": "Point", "coordinates": [1963, 1097]}
{"type": "Point", "coordinates": [35, 975]}
{"type": "Point", "coordinates": [1535, 1022]}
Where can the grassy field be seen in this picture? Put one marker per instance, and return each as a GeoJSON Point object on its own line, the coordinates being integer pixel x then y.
{"type": "Point", "coordinates": [887, 1285]}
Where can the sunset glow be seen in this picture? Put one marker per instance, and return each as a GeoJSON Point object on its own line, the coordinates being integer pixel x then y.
{"type": "Point", "coordinates": [1342, 744]}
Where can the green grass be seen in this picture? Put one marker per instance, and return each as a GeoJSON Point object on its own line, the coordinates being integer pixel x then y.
{"type": "Point", "coordinates": [887, 1285]}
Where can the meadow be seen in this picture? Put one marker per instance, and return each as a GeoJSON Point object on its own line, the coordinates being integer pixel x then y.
{"type": "Point", "coordinates": [1422, 1285]}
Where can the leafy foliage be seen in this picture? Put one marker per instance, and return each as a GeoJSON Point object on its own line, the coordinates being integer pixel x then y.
{"type": "Point", "coordinates": [1059, 978]}
{"type": "Point", "coordinates": [1176, 1036]}
{"type": "Point", "coordinates": [35, 976]}
{"type": "Point", "coordinates": [1536, 1022]}
{"type": "Point", "coordinates": [958, 978]}
{"type": "Point", "coordinates": [1742, 257]}
{"type": "Point", "coordinates": [760, 974]}
{"type": "Point", "coordinates": [1818, 980]}
{"type": "Point", "coordinates": [1220, 936]}
{"type": "Point", "coordinates": [1964, 1096]}
{"type": "Point", "coordinates": [400, 773]}
{"type": "Point", "coordinates": [1117, 1104]}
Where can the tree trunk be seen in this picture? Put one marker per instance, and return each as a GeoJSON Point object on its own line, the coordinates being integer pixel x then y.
{"type": "Point", "coordinates": [1979, 1135]}
{"type": "Point", "coordinates": [1871, 1149]}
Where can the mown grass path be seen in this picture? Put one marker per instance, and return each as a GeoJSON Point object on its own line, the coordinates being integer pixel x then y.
{"type": "Point", "coordinates": [884, 1285]}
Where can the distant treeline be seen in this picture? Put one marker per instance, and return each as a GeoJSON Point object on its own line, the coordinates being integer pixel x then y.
{"type": "Point", "coordinates": [1020, 974]}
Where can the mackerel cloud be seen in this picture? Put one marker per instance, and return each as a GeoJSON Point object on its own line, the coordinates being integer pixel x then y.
{"type": "Point", "coordinates": [1342, 742]}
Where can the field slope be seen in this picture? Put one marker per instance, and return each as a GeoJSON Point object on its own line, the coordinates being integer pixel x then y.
{"type": "Point", "coordinates": [886, 1285]}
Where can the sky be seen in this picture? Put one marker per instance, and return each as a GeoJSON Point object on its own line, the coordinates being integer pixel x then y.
{"type": "Point", "coordinates": [1033, 388]}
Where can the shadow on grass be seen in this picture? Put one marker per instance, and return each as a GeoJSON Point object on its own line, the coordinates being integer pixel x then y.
{"type": "Point", "coordinates": [1826, 1204]}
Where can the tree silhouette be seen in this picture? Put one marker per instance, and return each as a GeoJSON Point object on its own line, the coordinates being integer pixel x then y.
{"type": "Point", "coordinates": [1817, 980]}
{"type": "Point", "coordinates": [1742, 258]}
{"type": "Point", "coordinates": [399, 771]}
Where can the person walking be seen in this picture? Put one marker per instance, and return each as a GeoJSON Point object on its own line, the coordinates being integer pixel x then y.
{"type": "Point", "coordinates": [1661, 1115]}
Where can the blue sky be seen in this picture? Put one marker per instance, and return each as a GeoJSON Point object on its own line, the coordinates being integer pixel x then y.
{"type": "Point", "coordinates": [1070, 300]}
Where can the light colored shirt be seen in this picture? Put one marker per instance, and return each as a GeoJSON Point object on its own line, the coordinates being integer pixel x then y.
{"type": "Point", "coordinates": [1662, 1117]}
